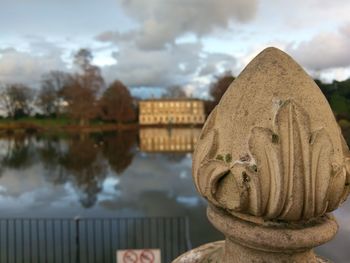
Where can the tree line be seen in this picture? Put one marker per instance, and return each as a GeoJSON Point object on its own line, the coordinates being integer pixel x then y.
{"type": "Point", "coordinates": [337, 93]}
{"type": "Point", "coordinates": [82, 96]}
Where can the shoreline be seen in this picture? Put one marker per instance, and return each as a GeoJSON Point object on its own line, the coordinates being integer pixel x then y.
{"type": "Point", "coordinates": [31, 127]}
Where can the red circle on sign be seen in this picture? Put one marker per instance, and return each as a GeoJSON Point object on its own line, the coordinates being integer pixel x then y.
{"type": "Point", "coordinates": [130, 257]}
{"type": "Point", "coordinates": [147, 256]}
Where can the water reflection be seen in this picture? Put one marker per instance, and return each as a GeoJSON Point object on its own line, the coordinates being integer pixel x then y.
{"type": "Point", "coordinates": [18, 153]}
{"type": "Point", "coordinates": [80, 159]}
{"type": "Point", "coordinates": [168, 140]}
{"type": "Point", "coordinates": [84, 161]}
{"type": "Point", "coordinates": [119, 149]}
{"type": "Point", "coordinates": [130, 173]}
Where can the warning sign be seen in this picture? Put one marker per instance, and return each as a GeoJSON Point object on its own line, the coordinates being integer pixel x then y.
{"type": "Point", "coordinates": [130, 257]}
{"type": "Point", "coordinates": [138, 256]}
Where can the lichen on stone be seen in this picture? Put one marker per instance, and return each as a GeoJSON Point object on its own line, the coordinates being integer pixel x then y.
{"type": "Point", "coordinates": [275, 138]}
{"type": "Point", "coordinates": [219, 157]}
{"type": "Point", "coordinates": [228, 158]}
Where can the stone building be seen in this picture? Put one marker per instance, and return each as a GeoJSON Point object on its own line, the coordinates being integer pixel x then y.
{"type": "Point", "coordinates": [171, 111]}
{"type": "Point", "coordinates": [168, 140]}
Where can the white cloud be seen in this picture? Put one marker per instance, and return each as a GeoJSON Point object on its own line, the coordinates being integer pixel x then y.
{"type": "Point", "coordinates": [17, 66]}
{"type": "Point", "coordinates": [160, 43]}
{"type": "Point", "coordinates": [27, 66]}
{"type": "Point", "coordinates": [151, 55]}
{"type": "Point", "coordinates": [161, 22]}
{"type": "Point", "coordinates": [154, 68]}
{"type": "Point", "coordinates": [324, 51]}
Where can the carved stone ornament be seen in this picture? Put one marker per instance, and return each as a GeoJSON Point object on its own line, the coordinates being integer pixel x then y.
{"type": "Point", "coordinates": [272, 147]}
{"type": "Point", "coordinates": [272, 163]}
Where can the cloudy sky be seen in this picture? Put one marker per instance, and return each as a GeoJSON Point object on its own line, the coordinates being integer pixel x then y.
{"type": "Point", "coordinates": [159, 43]}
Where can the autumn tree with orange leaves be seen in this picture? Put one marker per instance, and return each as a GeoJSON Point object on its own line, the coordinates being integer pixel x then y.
{"type": "Point", "coordinates": [116, 104]}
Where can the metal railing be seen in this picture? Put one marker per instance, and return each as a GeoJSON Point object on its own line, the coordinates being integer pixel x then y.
{"type": "Point", "coordinates": [89, 240]}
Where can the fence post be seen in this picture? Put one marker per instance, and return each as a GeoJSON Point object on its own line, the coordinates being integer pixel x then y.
{"type": "Point", "coordinates": [272, 163]}
{"type": "Point", "coordinates": [77, 238]}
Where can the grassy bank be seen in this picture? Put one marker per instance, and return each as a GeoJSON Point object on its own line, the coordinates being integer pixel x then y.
{"type": "Point", "coordinates": [59, 124]}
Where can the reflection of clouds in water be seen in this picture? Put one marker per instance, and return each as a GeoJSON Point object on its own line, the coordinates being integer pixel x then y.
{"type": "Point", "coordinates": [152, 185]}
{"type": "Point", "coordinates": [39, 198]}
{"type": "Point", "coordinates": [30, 193]}
{"type": "Point", "coordinates": [18, 183]}
{"type": "Point", "coordinates": [110, 189]}
{"type": "Point", "coordinates": [188, 200]}
{"type": "Point", "coordinates": [149, 173]}
{"type": "Point", "coordinates": [152, 172]}
{"type": "Point", "coordinates": [184, 174]}
{"type": "Point", "coordinates": [2, 190]}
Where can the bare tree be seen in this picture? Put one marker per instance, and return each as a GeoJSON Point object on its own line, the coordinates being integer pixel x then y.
{"type": "Point", "coordinates": [81, 92]}
{"type": "Point", "coordinates": [117, 104]}
{"type": "Point", "coordinates": [90, 75]}
{"type": "Point", "coordinates": [175, 92]}
{"type": "Point", "coordinates": [16, 100]}
{"type": "Point", "coordinates": [218, 88]}
{"type": "Point", "coordinates": [49, 99]}
{"type": "Point", "coordinates": [81, 102]}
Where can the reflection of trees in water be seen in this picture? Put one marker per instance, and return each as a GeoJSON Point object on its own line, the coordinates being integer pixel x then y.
{"type": "Point", "coordinates": [81, 159]}
{"type": "Point", "coordinates": [85, 166]}
{"type": "Point", "coordinates": [175, 157]}
{"type": "Point", "coordinates": [20, 152]}
{"type": "Point", "coordinates": [119, 149]}
{"type": "Point", "coordinates": [50, 152]}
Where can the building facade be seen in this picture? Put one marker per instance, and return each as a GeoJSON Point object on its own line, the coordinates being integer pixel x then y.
{"type": "Point", "coordinates": [171, 111]}
{"type": "Point", "coordinates": [174, 140]}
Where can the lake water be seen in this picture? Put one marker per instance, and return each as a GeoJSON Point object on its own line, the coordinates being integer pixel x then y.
{"type": "Point", "coordinates": [145, 173]}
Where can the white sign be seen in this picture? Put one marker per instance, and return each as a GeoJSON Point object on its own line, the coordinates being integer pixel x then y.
{"type": "Point", "coordinates": [138, 256]}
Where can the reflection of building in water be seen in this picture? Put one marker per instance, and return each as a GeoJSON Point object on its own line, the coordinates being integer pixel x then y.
{"type": "Point", "coordinates": [165, 140]}
{"type": "Point", "coordinates": [172, 111]}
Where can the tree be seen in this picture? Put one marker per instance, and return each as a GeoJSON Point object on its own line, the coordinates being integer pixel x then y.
{"type": "Point", "coordinates": [90, 75]}
{"type": "Point", "coordinates": [49, 99]}
{"type": "Point", "coordinates": [81, 92]}
{"type": "Point", "coordinates": [116, 103]}
{"type": "Point", "coordinates": [218, 88]}
{"type": "Point", "coordinates": [175, 92]}
{"type": "Point", "coordinates": [16, 100]}
{"type": "Point", "coordinates": [338, 96]}
{"type": "Point", "coordinates": [81, 101]}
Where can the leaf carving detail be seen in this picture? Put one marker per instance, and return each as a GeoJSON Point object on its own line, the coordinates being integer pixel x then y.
{"type": "Point", "coordinates": [294, 177]}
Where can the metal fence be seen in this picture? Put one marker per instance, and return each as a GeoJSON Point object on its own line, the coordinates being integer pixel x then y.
{"type": "Point", "coordinates": [89, 240]}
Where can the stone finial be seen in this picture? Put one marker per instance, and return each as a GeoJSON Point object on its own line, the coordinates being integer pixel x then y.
{"type": "Point", "coordinates": [272, 149]}
{"type": "Point", "coordinates": [272, 163]}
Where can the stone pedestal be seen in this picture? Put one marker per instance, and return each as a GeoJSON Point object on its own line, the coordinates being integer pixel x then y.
{"type": "Point", "coordinates": [270, 242]}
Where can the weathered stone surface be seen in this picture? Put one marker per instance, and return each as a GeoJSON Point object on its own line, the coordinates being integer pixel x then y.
{"type": "Point", "coordinates": [272, 163]}
{"type": "Point", "coordinates": [271, 242]}
{"type": "Point", "coordinates": [272, 147]}
{"type": "Point", "coordinates": [211, 252]}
